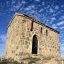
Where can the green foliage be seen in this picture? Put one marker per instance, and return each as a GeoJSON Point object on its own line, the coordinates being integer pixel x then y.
{"type": "Point", "coordinates": [8, 61]}
{"type": "Point", "coordinates": [15, 62]}
{"type": "Point", "coordinates": [30, 62]}
{"type": "Point", "coordinates": [22, 63]}
{"type": "Point", "coordinates": [4, 61]}
{"type": "Point", "coordinates": [11, 61]}
{"type": "Point", "coordinates": [30, 58]}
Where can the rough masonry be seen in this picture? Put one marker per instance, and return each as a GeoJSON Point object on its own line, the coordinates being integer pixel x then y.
{"type": "Point", "coordinates": [26, 35]}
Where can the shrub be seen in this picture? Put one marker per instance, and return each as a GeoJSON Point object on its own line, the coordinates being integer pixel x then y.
{"type": "Point", "coordinates": [30, 62]}
{"type": "Point", "coordinates": [22, 63]}
{"type": "Point", "coordinates": [8, 61]}
{"type": "Point", "coordinates": [30, 58]}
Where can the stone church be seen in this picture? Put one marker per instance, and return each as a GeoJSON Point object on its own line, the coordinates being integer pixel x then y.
{"type": "Point", "coordinates": [25, 35]}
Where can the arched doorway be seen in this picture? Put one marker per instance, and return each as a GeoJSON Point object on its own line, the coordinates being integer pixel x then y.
{"type": "Point", "coordinates": [34, 45]}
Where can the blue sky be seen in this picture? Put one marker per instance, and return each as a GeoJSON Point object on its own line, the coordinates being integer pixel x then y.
{"type": "Point", "coordinates": [50, 12]}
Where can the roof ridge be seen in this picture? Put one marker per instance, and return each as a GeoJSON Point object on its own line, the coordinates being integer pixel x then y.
{"type": "Point", "coordinates": [17, 13]}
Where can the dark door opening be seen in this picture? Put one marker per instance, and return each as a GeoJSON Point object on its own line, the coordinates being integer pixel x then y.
{"type": "Point", "coordinates": [34, 45]}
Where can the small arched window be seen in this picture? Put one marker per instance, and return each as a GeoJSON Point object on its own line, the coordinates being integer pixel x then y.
{"type": "Point", "coordinates": [34, 45]}
{"type": "Point", "coordinates": [41, 30]}
{"type": "Point", "coordinates": [32, 26]}
{"type": "Point", "coordinates": [46, 32]}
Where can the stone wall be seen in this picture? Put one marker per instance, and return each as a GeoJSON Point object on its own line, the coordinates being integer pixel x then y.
{"type": "Point", "coordinates": [19, 39]}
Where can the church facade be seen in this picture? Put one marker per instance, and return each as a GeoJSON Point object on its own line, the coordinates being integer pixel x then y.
{"type": "Point", "coordinates": [26, 35]}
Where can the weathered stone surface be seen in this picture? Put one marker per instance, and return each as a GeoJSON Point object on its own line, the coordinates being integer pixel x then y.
{"type": "Point", "coordinates": [20, 39]}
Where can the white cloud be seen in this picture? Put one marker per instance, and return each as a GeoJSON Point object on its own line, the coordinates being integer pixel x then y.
{"type": "Point", "coordinates": [56, 7]}
{"type": "Point", "coordinates": [61, 18]}
{"type": "Point", "coordinates": [2, 5]}
{"type": "Point", "coordinates": [62, 5]}
{"type": "Point", "coordinates": [62, 27]}
{"type": "Point", "coordinates": [1, 45]}
{"type": "Point", "coordinates": [41, 10]}
{"type": "Point", "coordinates": [62, 46]}
{"type": "Point", "coordinates": [43, 3]}
{"type": "Point", "coordinates": [15, 7]}
{"type": "Point", "coordinates": [7, 2]}
{"type": "Point", "coordinates": [62, 31]}
{"type": "Point", "coordinates": [61, 35]}
{"type": "Point", "coordinates": [48, 7]}
{"type": "Point", "coordinates": [63, 40]}
{"type": "Point", "coordinates": [28, 8]}
{"type": "Point", "coordinates": [12, 9]}
{"type": "Point", "coordinates": [23, 2]}
{"type": "Point", "coordinates": [52, 19]}
{"type": "Point", "coordinates": [13, 1]}
{"type": "Point", "coordinates": [54, 26]}
{"type": "Point", "coordinates": [62, 50]}
{"type": "Point", "coordinates": [55, 14]}
{"type": "Point", "coordinates": [60, 23]}
{"type": "Point", "coordinates": [2, 38]}
{"type": "Point", "coordinates": [32, 11]}
{"type": "Point", "coordinates": [37, 0]}
{"type": "Point", "coordinates": [33, 6]}
{"type": "Point", "coordinates": [51, 10]}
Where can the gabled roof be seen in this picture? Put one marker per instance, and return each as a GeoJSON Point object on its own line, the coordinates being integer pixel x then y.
{"type": "Point", "coordinates": [20, 14]}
